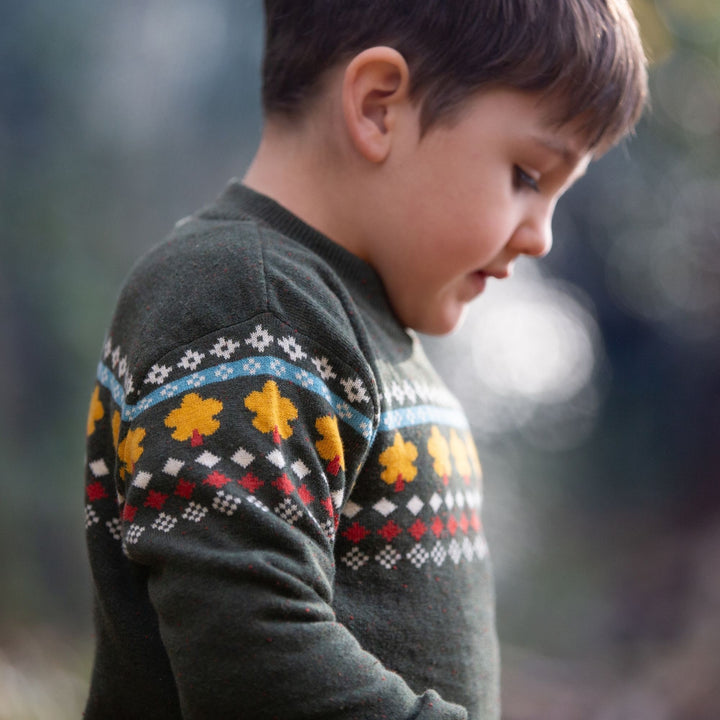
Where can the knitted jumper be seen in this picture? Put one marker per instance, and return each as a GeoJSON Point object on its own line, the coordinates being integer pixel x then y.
{"type": "Point", "coordinates": [283, 499]}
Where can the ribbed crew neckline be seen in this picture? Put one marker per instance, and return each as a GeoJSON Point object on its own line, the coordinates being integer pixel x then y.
{"type": "Point", "coordinates": [238, 201]}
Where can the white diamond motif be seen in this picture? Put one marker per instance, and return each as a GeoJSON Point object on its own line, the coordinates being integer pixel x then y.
{"type": "Point", "coordinates": [191, 360]}
{"type": "Point", "coordinates": [418, 556]}
{"type": "Point", "coordinates": [481, 548]}
{"type": "Point", "coordinates": [208, 459]}
{"type": "Point", "coordinates": [355, 558]}
{"type": "Point", "coordinates": [142, 479]}
{"type": "Point", "coordinates": [261, 339]}
{"type": "Point", "coordinates": [324, 368]}
{"type": "Point", "coordinates": [438, 554]}
{"type": "Point", "coordinates": [435, 502]}
{"type": "Point", "coordinates": [300, 469]}
{"type": "Point", "coordinates": [224, 348]}
{"type": "Point", "coordinates": [388, 557]}
{"type": "Point", "coordinates": [164, 522]}
{"type": "Point", "coordinates": [467, 549]}
{"type": "Point", "coordinates": [415, 505]}
{"type": "Point", "coordinates": [450, 500]}
{"type": "Point", "coordinates": [99, 468]}
{"type": "Point", "coordinates": [194, 512]}
{"type": "Point", "coordinates": [290, 345]}
{"type": "Point", "coordinates": [384, 507]}
{"type": "Point", "coordinates": [114, 526]}
{"type": "Point", "coordinates": [242, 458]}
{"type": "Point", "coordinates": [173, 467]}
{"type": "Point", "coordinates": [276, 458]}
{"type": "Point", "coordinates": [351, 509]}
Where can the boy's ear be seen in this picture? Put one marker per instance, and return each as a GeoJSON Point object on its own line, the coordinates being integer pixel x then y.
{"type": "Point", "coordinates": [375, 85]}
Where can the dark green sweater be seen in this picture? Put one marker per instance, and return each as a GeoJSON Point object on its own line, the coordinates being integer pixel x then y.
{"type": "Point", "coordinates": [283, 500]}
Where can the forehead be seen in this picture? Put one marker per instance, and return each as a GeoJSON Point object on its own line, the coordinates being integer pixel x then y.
{"type": "Point", "coordinates": [522, 114]}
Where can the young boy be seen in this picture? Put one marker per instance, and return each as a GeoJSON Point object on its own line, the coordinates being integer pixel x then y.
{"type": "Point", "coordinates": [283, 501]}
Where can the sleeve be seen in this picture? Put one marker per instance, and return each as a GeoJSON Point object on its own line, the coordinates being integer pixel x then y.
{"type": "Point", "coordinates": [233, 468]}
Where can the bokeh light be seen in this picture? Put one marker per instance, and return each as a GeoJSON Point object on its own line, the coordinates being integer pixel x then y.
{"type": "Point", "coordinates": [687, 90]}
{"type": "Point", "coordinates": [148, 63]}
{"type": "Point", "coordinates": [527, 356]}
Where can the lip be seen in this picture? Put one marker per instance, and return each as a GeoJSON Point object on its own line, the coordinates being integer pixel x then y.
{"type": "Point", "coordinates": [498, 274]}
{"type": "Point", "coordinates": [479, 279]}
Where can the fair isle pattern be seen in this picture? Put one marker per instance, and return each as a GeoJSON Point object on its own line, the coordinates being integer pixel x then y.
{"type": "Point", "coordinates": [177, 511]}
{"type": "Point", "coordinates": [268, 366]}
{"type": "Point", "coordinates": [407, 524]}
{"type": "Point", "coordinates": [414, 530]}
{"type": "Point", "coordinates": [438, 406]}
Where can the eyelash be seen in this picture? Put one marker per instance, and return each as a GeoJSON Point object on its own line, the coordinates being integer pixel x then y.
{"type": "Point", "coordinates": [525, 180]}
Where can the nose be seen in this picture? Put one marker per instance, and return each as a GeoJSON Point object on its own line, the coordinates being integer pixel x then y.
{"type": "Point", "coordinates": [545, 237]}
{"type": "Point", "coordinates": [534, 236]}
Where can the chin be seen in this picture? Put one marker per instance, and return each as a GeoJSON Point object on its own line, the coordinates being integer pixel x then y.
{"type": "Point", "coordinates": [443, 324]}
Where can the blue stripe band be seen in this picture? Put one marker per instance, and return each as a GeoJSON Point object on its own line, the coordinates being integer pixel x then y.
{"type": "Point", "coordinates": [281, 370]}
{"type": "Point", "coordinates": [422, 415]}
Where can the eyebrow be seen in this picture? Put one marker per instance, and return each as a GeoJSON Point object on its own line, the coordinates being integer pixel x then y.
{"type": "Point", "coordinates": [569, 156]}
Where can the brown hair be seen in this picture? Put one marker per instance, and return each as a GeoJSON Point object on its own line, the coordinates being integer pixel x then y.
{"type": "Point", "coordinates": [586, 54]}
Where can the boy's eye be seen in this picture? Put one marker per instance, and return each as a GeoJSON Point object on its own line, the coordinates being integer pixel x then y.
{"type": "Point", "coordinates": [524, 179]}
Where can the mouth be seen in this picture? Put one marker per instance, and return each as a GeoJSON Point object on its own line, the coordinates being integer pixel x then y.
{"type": "Point", "coordinates": [498, 274]}
{"type": "Point", "coordinates": [479, 279]}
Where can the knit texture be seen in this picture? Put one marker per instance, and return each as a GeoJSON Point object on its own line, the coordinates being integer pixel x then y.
{"type": "Point", "coordinates": [283, 499]}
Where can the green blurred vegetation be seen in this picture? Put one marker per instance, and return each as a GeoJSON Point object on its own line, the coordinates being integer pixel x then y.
{"type": "Point", "coordinates": [116, 120]}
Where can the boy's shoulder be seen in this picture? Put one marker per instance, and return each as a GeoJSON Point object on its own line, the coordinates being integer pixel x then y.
{"type": "Point", "coordinates": [223, 268]}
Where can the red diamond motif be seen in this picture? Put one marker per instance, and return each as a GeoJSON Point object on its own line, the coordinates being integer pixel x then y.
{"type": "Point", "coordinates": [129, 513]}
{"type": "Point", "coordinates": [156, 500]}
{"type": "Point", "coordinates": [305, 495]}
{"type": "Point", "coordinates": [284, 484]}
{"type": "Point", "coordinates": [185, 489]}
{"type": "Point", "coordinates": [390, 531]}
{"type": "Point", "coordinates": [327, 503]}
{"type": "Point", "coordinates": [356, 532]}
{"type": "Point", "coordinates": [464, 523]}
{"type": "Point", "coordinates": [417, 529]}
{"type": "Point", "coordinates": [251, 482]}
{"type": "Point", "coordinates": [217, 480]}
{"type": "Point", "coordinates": [437, 526]}
{"type": "Point", "coordinates": [452, 525]}
{"type": "Point", "coordinates": [96, 491]}
{"type": "Point", "coordinates": [334, 466]}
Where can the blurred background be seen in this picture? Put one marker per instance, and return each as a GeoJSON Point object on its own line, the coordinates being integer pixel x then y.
{"type": "Point", "coordinates": [592, 379]}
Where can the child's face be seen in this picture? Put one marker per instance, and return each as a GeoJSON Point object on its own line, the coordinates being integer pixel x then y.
{"type": "Point", "coordinates": [468, 199]}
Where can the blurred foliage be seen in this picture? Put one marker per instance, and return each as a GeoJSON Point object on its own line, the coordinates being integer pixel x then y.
{"type": "Point", "coordinates": [117, 119]}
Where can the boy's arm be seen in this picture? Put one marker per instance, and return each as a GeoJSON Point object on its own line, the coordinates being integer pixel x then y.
{"type": "Point", "coordinates": [231, 480]}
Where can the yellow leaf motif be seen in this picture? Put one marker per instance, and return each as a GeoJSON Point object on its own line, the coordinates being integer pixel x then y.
{"type": "Point", "coordinates": [473, 455]}
{"type": "Point", "coordinates": [398, 461]}
{"type": "Point", "coordinates": [130, 450]}
{"type": "Point", "coordinates": [330, 447]}
{"type": "Point", "coordinates": [440, 452]}
{"type": "Point", "coordinates": [96, 411]}
{"type": "Point", "coordinates": [194, 419]}
{"type": "Point", "coordinates": [116, 428]}
{"type": "Point", "coordinates": [273, 412]}
{"type": "Point", "coordinates": [459, 453]}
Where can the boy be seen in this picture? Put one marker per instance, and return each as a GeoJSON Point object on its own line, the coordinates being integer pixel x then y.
{"type": "Point", "coordinates": [283, 500]}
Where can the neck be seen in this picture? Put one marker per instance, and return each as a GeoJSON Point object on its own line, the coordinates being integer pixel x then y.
{"type": "Point", "coordinates": [306, 173]}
